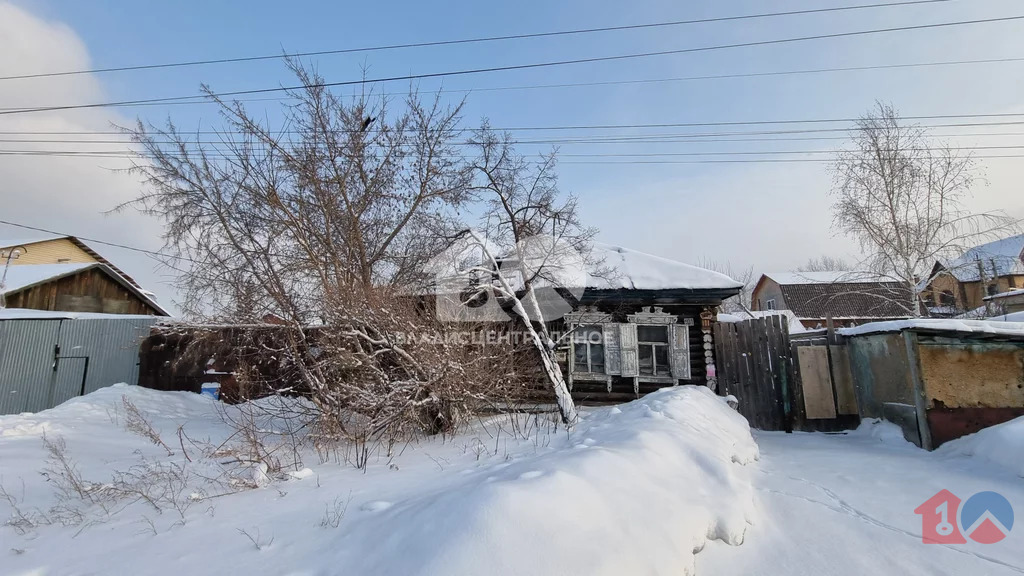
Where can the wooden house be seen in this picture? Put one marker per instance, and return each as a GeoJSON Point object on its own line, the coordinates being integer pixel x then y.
{"type": "Point", "coordinates": [848, 298]}
{"type": "Point", "coordinates": [642, 323]}
{"type": "Point", "coordinates": [64, 274]}
{"type": "Point", "coordinates": [961, 285]}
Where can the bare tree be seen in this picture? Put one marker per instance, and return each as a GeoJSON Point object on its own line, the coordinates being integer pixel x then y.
{"type": "Point", "coordinates": [325, 225]}
{"type": "Point", "coordinates": [741, 303]}
{"type": "Point", "coordinates": [901, 195]}
{"type": "Point", "coordinates": [350, 196]}
{"type": "Point", "coordinates": [825, 263]}
{"type": "Point", "coordinates": [533, 246]}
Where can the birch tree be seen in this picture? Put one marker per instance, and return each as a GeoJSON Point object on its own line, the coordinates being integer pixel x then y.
{"type": "Point", "coordinates": [901, 194]}
{"type": "Point", "coordinates": [535, 249]}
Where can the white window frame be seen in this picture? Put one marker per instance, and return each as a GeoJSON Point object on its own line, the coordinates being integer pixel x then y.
{"type": "Point", "coordinates": [769, 304]}
{"type": "Point", "coordinates": [654, 351]}
{"type": "Point", "coordinates": [589, 369]}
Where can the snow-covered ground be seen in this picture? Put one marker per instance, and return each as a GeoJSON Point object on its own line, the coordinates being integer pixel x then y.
{"type": "Point", "coordinates": [1002, 445]}
{"type": "Point", "coordinates": [669, 484]}
{"type": "Point", "coordinates": [634, 489]}
{"type": "Point", "coordinates": [844, 505]}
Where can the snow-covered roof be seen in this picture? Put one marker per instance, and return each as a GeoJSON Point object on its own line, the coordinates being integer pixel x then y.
{"type": "Point", "coordinates": [826, 277]}
{"type": "Point", "coordinates": [9, 241]}
{"type": "Point", "coordinates": [1010, 294]}
{"type": "Point", "coordinates": [945, 324]}
{"type": "Point", "coordinates": [635, 270]}
{"type": "Point", "coordinates": [999, 258]}
{"type": "Point", "coordinates": [26, 275]}
{"type": "Point", "coordinates": [1012, 317]}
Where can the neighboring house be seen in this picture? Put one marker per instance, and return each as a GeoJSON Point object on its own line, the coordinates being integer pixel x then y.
{"type": "Point", "coordinates": [849, 298]}
{"type": "Point", "coordinates": [643, 323]}
{"type": "Point", "coordinates": [960, 285]}
{"type": "Point", "coordinates": [64, 274]}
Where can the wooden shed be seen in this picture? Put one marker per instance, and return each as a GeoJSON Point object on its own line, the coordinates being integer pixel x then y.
{"type": "Point", "coordinates": [75, 287]}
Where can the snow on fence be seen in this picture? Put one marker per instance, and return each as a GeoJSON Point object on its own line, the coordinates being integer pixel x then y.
{"type": "Point", "coordinates": [47, 358]}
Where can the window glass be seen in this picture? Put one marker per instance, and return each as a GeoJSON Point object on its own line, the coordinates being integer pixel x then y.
{"type": "Point", "coordinates": [580, 357]}
{"type": "Point", "coordinates": [947, 298]}
{"type": "Point", "coordinates": [597, 358]}
{"type": "Point", "coordinates": [588, 349]}
{"type": "Point", "coordinates": [652, 334]}
{"type": "Point", "coordinates": [646, 356]}
{"type": "Point", "coordinates": [661, 360]}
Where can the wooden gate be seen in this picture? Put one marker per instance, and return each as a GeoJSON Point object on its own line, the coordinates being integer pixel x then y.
{"type": "Point", "coordinates": [754, 364]}
{"type": "Point", "coordinates": [783, 383]}
{"type": "Point", "coordinates": [823, 396]}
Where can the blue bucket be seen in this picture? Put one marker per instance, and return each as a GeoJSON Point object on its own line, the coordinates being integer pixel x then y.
{"type": "Point", "coordinates": [211, 389]}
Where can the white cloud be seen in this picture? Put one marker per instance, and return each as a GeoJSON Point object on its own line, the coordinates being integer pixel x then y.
{"type": "Point", "coordinates": [66, 194]}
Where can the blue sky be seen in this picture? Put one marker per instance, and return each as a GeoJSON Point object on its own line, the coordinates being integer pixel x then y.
{"type": "Point", "coordinates": [768, 216]}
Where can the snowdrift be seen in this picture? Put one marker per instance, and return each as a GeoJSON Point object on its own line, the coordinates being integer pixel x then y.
{"type": "Point", "coordinates": [634, 489]}
{"type": "Point", "coordinates": [638, 490]}
{"type": "Point", "coordinates": [1002, 445]}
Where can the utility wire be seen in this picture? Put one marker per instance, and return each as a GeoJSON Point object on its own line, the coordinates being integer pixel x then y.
{"type": "Point", "coordinates": [95, 241]}
{"type": "Point", "coordinates": [640, 162]}
{"type": "Point", "coordinates": [129, 153]}
{"type": "Point", "coordinates": [203, 100]}
{"type": "Point", "coordinates": [471, 40]}
{"type": "Point", "coordinates": [744, 161]}
{"type": "Point", "coordinates": [675, 139]}
{"type": "Point", "coordinates": [711, 124]}
{"type": "Point", "coordinates": [518, 66]}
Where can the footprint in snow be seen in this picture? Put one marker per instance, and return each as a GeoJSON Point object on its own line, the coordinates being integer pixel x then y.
{"type": "Point", "coordinates": [531, 474]}
{"type": "Point", "coordinates": [376, 506]}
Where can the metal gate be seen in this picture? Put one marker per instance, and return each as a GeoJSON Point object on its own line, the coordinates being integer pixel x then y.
{"type": "Point", "coordinates": [47, 361]}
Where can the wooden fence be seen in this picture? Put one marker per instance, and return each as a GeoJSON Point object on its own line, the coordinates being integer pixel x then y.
{"type": "Point", "coordinates": [784, 383]}
{"type": "Point", "coordinates": [754, 365]}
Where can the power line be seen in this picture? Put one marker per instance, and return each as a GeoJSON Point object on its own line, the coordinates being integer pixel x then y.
{"type": "Point", "coordinates": [702, 161]}
{"type": "Point", "coordinates": [471, 40]}
{"type": "Point", "coordinates": [652, 138]}
{"type": "Point", "coordinates": [654, 125]}
{"type": "Point", "coordinates": [129, 153]}
{"type": "Point", "coordinates": [677, 139]}
{"type": "Point", "coordinates": [747, 161]}
{"type": "Point", "coordinates": [204, 101]}
{"type": "Point", "coordinates": [95, 241]}
{"type": "Point", "coordinates": [519, 66]}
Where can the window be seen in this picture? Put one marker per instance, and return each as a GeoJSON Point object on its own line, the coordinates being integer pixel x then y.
{"type": "Point", "coordinates": [992, 289]}
{"type": "Point", "coordinates": [652, 342]}
{"type": "Point", "coordinates": [770, 304]}
{"type": "Point", "coordinates": [588, 349]}
{"type": "Point", "coordinates": [946, 298]}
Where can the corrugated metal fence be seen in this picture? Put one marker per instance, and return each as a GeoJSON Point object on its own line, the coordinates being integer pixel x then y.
{"type": "Point", "coordinates": [44, 362]}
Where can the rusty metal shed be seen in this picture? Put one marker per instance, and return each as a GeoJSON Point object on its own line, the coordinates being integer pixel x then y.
{"type": "Point", "coordinates": [939, 380]}
{"type": "Point", "coordinates": [47, 358]}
